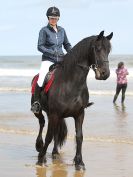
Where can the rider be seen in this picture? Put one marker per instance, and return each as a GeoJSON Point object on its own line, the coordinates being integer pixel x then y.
{"type": "Point", "coordinates": [50, 42]}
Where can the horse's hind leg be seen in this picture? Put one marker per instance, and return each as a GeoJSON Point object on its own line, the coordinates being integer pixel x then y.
{"type": "Point", "coordinates": [79, 164]}
{"type": "Point", "coordinates": [39, 140]}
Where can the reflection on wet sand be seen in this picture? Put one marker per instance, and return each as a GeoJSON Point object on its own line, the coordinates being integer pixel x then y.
{"type": "Point", "coordinates": [120, 110]}
{"type": "Point", "coordinates": [121, 120]}
{"type": "Point", "coordinates": [57, 169]}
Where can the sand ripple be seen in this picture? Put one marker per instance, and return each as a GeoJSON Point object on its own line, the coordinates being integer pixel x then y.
{"type": "Point", "coordinates": [105, 139]}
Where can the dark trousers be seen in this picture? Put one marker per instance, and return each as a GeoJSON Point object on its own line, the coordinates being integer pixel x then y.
{"type": "Point", "coordinates": [120, 87]}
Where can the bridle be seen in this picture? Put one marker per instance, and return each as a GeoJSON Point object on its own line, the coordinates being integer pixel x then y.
{"type": "Point", "coordinates": [95, 64]}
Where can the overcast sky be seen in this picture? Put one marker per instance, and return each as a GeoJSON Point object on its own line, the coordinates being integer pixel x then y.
{"type": "Point", "coordinates": [20, 22]}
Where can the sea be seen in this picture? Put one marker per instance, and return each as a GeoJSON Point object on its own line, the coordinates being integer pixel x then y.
{"type": "Point", "coordinates": [16, 73]}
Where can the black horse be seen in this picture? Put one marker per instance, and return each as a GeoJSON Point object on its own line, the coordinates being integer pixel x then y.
{"type": "Point", "coordinates": [69, 96]}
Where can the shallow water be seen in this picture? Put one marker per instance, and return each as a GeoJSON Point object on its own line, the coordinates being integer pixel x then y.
{"type": "Point", "coordinates": [107, 146]}
{"type": "Point", "coordinates": [16, 73]}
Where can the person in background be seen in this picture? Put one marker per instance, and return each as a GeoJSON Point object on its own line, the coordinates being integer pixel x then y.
{"type": "Point", "coordinates": [50, 42]}
{"type": "Point", "coordinates": [121, 73]}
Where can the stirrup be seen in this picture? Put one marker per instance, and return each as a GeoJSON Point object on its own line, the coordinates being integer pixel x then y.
{"type": "Point", "coordinates": [36, 107]}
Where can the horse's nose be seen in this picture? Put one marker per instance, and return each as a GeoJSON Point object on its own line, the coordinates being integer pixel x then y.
{"type": "Point", "coordinates": [105, 74]}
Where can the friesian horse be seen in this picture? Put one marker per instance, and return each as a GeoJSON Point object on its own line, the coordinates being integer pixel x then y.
{"type": "Point", "coordinates": [69, 96]}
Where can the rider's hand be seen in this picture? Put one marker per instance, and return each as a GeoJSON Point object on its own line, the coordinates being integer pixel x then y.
{"type": "Point", "coordinates": [56, 53]}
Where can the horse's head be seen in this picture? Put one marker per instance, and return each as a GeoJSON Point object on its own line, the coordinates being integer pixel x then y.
{"type": "Point", "coordinates": [100, 51]}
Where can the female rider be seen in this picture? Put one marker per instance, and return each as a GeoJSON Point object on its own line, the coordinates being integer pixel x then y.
{"type": "Point", "coordinates": [50, 42]}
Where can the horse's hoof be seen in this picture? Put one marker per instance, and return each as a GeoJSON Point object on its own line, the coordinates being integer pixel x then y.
{"type": "Point", "coordinates": [55, 156]}
{"type": "Point", "coordinates": [39, 163]}
{"type": "Point", "coordinates": [80, 167]}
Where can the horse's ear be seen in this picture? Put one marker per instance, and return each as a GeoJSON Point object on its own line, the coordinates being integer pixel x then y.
{"type": "Point", "coordinates": [100, 35]}
{"type": "Point", "coordinates": [109, 36]}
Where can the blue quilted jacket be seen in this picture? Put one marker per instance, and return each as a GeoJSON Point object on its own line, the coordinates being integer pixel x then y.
{"type": "Point", "coordinates": [50, 43]}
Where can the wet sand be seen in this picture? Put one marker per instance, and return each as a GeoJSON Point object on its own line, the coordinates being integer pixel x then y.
{"type": "Point", "coordinates": [107, 146]}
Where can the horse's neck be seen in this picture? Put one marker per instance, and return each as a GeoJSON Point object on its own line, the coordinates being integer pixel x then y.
{"type": "Point", "coordinates": [76, 65]}
{"type": "Point", "coordinates": [79, 75]}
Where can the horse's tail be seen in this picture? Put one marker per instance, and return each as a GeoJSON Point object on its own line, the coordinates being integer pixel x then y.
{"type": "Point", "coordinates": [61, 133]}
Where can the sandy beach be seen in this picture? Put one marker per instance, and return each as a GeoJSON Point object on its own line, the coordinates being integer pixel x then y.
{"type": "Point", "coordinates": [107, 146]}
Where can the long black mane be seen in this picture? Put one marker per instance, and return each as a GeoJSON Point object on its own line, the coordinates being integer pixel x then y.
{"type": "Point", "coordinates": [78, 52]}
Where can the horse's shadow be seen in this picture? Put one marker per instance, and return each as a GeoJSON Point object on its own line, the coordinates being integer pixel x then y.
{"type": "Point", "coordinates": [57, 169]}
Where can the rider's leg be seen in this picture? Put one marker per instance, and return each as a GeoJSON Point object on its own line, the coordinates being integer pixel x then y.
{"type": "Point", "coordinates": [36, 106]}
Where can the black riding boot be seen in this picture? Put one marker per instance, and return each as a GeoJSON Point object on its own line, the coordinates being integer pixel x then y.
{"type": "Point", "coordinates": [36, 106]}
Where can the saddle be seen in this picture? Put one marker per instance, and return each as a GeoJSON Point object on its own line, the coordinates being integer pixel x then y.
{"type": "Point", "coordinates": [49, 78]}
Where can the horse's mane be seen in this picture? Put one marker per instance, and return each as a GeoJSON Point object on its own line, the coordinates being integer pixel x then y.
{"type": "Point", "coordinates": [77, 54]}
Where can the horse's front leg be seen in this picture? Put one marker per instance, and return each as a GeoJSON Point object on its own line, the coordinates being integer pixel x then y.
{"type": "Point", "coordinates": [39, 140]}
{"type": "Point", "coordinates": [48, 139]}
{"type": "Point", "coordinates": [79, 164]}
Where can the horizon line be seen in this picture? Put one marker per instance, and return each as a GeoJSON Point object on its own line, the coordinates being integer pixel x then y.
{"type": "Point", "coordinates": [16, 55]}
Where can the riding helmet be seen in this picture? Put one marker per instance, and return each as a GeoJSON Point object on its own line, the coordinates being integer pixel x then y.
{"type": "Point", "coordinates": [53, 11]}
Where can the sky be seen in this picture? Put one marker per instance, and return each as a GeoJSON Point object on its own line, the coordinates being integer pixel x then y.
{"type": "Point", "coordinates": [21, 21]}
